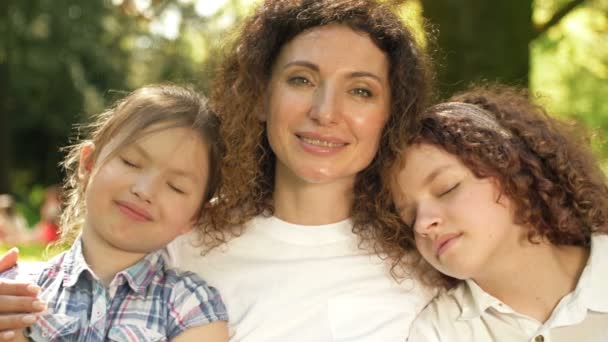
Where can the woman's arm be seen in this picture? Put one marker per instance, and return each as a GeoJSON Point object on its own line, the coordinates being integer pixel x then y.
{"type": "Point", "coordinates": [212, 332]}
{"type": "Point", "coordinates": [18, 300]}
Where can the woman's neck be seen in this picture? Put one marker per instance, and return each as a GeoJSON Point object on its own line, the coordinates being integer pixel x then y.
{"type": "Point", "coordinates": [299, 202]}
{"type": "Point", "coordinates": [537, 279]}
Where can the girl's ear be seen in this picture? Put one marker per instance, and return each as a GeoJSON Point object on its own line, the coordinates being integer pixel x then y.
{"type": "Point", "coordinates": [86, 163]}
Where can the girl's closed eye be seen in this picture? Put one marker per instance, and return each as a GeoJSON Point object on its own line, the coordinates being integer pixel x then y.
{"type": "Point", "coordinates": [129, 163]}
{"type": "Point", "coordinates": [449, 189]}
{"type": "Point", "coordinates": [176, 189]}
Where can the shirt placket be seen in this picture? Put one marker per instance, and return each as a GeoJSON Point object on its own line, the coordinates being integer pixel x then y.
{"type": "Point", "coordinates": [99, 311]}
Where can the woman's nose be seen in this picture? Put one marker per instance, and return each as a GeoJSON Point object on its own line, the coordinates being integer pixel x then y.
{"type": "Point", "coordinates": [326, 105]}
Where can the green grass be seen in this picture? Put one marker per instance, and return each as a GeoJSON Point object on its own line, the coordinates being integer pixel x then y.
{"type": "Point", "coordinates": [32, 252]}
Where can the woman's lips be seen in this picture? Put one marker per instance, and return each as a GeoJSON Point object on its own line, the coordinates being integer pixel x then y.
{"type": "Point", "coordinates": [320, 144]}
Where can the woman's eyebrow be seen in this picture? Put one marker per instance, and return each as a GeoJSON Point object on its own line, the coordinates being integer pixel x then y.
{"type": "Point", "coordinates": [303, 64]}
{"type": "Point", "coordinates": [356, 74]}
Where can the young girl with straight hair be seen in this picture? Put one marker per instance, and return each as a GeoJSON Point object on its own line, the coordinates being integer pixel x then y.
{"type": "Point", "coordinates": [143, 176]}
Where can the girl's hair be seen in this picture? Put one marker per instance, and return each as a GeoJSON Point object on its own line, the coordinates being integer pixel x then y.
{"type": "Point", "coordinates": [543, 165]}
{"type": "Point", "coordinates": [163, 106]}
{"type": "Point", "coordinates": [240, 94]}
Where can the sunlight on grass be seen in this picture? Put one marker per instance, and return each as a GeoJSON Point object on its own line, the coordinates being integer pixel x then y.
{"type": "Point", "coordinates": [32, 252]}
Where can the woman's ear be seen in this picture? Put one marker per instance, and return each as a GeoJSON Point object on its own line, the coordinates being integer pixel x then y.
{"type": "Point", "coordinates": [87, 162]}
{"type": "Point", "coordinates": [261, 109]}
{"type": "Point", "coordinates": [261, 115]}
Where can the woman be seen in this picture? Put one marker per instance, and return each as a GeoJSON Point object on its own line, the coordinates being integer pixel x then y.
{"type": "Point", "coordinates": [314, 98]}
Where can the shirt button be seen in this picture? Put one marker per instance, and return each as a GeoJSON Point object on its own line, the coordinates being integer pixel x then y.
{"type": "Point", "coordinates": [539, 338]}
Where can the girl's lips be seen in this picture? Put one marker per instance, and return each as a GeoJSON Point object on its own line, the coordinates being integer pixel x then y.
{"type": "Point", "coordinates": [442, 243]}
{"type": "Point", "coordinates": [134, 212]}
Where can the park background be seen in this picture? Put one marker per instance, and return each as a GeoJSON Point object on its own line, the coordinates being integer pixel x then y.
{"type": "Point", "coordinates": [64, 60]}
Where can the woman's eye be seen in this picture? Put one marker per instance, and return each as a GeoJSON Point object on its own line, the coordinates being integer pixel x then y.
{"type": "Point", "coordinates": [176, 189]}
{"type": "Point", "coordinates": [299, 81]}
{"type": "Point", "coordinates": [361, 92]}
{"type": "Point", "coordinates": [128, 163]}
{"type": "Point", "coordinates": [452, 188]}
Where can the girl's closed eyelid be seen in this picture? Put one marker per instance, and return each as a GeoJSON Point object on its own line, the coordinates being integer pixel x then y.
{"type": "Point", "coordinates": [128, 163]}
{"type": "Point", "coordinates": [450, 189]}
{"type": "Point", "coordinates": [176, 189]}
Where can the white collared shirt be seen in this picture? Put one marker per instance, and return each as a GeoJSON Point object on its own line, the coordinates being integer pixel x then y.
{"type": "Point", "coordinates": [468, 313]}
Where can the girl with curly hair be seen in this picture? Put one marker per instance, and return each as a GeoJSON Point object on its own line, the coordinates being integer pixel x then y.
{"type": "Point", "coordinates": [314, 98]}
{"type": "Point", "coordinates": [511, 208]}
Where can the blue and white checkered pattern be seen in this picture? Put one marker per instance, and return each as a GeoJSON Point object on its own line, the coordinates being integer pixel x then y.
{"type": "Point", "coordinates": [146, 302]}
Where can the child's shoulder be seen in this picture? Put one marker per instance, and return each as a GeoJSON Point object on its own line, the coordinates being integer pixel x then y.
{"type": "Point", "coordinates": [183, 283]}
{"type": "Point", "coordinates": [448, 304]}
{"type": "Point", "coordinates": [191, 300]}
{"type": "Point", "coordinates": [33, 270]}
{"type": "Point", "coordinates": [439, 316]}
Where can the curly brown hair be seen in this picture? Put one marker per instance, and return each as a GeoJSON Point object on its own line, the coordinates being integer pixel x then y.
{"type": "Point", "coordinates": [542, 164]}
{"type": "Point", "coordinates": [240, 92]}
{"type": "Point", "coordinates": [162, 105]}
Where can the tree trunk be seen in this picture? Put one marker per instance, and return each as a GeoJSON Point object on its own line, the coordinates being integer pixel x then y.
{"type": "Point", "coordinates": [4, 100]}
{"type": "Point", "coordinates": [480, 40]}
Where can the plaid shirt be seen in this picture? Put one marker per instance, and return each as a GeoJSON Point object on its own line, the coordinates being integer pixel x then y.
{"type": "Point", "coordinates": [146, 302]}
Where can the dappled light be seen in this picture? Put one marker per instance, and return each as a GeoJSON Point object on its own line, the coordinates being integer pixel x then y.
{"type": "Point", "coordinates": [63, 61]}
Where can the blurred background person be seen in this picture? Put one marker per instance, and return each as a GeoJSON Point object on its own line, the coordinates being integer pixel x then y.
{"type": "Point", "coordinates": [13, 227]}
{"type": "Point", "coordinates": [47, 229]}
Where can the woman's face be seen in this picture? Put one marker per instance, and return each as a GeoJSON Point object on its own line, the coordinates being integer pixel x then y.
{"type": "Point", "coordinates": [329, 100]}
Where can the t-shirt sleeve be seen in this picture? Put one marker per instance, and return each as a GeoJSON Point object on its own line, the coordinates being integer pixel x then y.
{"type": "Point", "coordinates": [193, 303]}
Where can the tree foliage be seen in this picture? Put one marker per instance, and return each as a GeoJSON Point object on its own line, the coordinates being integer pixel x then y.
{"type": "Point", "coordinates": [61, 60]}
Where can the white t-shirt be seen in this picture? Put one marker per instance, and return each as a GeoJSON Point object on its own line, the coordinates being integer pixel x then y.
{"type": "Point", "coordinates": [468, 313]}
{"type": "Point", "coordinates": [285, 282]}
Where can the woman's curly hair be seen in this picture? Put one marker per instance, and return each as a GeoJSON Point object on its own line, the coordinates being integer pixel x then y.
{"type": "Point", "coordinates": [239, 95]}
{"type": "Point", "coordinates": [543, 165]}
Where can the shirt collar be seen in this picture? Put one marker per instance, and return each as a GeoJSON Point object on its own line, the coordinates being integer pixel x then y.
{"type": "Point", "coordinates": [593, 282]}
{"type": "Point", "coordinates": [74, 264]}
{"type": "Point", "coordinates": [475, 301]}
{"type": "Point", "coordinates": [138, 276]}
{"type": "Point", "coordinates": [590, 287]}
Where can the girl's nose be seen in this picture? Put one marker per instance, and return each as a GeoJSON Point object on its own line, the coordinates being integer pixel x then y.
{"type": "Point", "coordinates": [145, 187]}
{"type": "Point", "coordinates": [428, 220]}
